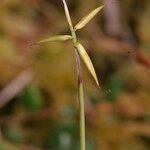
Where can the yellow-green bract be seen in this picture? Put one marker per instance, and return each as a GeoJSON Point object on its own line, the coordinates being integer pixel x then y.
{"type": "Point", "coordinates": [56, 38]}
{"type": "Point", "coordinates": [86, 59]}
{"type": "Point", "coordinates": [87, 18]}
{"type": "Point", "coordinates": [67, 14]}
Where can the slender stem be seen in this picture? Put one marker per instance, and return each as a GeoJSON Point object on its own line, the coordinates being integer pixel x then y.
{"type": "Point", "coordinates": [81, 103]}
{"type": "Point", "coordinates": [82, 117]}
{"type": "Point", "coordinates": [80, 79]}
{"type": "Point", "coordinates": [80, 94]}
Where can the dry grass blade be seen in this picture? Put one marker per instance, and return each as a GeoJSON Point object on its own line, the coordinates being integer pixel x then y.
{"type": "Point", "coordinates": [15, 87]}
{"type": "Point", "coordinates": [87, 18]}
{"type": "Point", "coordinates": [86, 59]}
{"type": "Point", "coordinates": [55, 38]}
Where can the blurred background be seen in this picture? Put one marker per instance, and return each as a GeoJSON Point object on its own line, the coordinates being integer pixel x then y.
{"type": "Point", "coordinates": [38, 84]}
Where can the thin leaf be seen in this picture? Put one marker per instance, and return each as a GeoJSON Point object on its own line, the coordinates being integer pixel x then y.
{"type": "Point", "coordinates": [86, 59]}
{"type": "Point", "coordinates": [67, 14]}
{"type": "Point", "coordinates": [55, 38]}
{"type": "Point", "coordinates": [87, 18]}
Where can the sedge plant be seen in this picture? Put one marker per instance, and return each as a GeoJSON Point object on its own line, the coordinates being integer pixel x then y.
{"type": "Point", "coordinates": [80, 53]}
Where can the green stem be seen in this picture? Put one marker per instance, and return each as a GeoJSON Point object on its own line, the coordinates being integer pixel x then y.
{"type": "Point", "coordinates": [80, 82]}
{"type": "Point", "coordinates": [82, 117]}
{"type": "Point", "coordinates": [80, 92]}
{"type": "Point", "coordinates": [81, 102]}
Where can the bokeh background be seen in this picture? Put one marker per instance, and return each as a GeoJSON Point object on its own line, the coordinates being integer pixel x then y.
{"type": "Point", "coordinates": [38, 87]}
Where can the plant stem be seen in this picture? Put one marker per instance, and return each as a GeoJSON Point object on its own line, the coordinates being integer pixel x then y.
{"type": "Point", "coordinates": [80, 94]}
{"type": "Point", "coordinates": [82, 117]}
{"type": "Point", "coordinates": [81, 102]}
{"type": "Point", "coordinates": [80, 91]}
{"type": "Point", "coordinates": [80, 79]}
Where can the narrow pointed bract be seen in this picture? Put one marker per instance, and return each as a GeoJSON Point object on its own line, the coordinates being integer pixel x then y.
{"type": "Point", "coordinates": [86, 59]}
{"type": "Point", "coordinates": [55, 38]}
{"type": "Point", "coordinates": [87, 18]}
{"type": "Point", "coordinates": [67, 14]}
